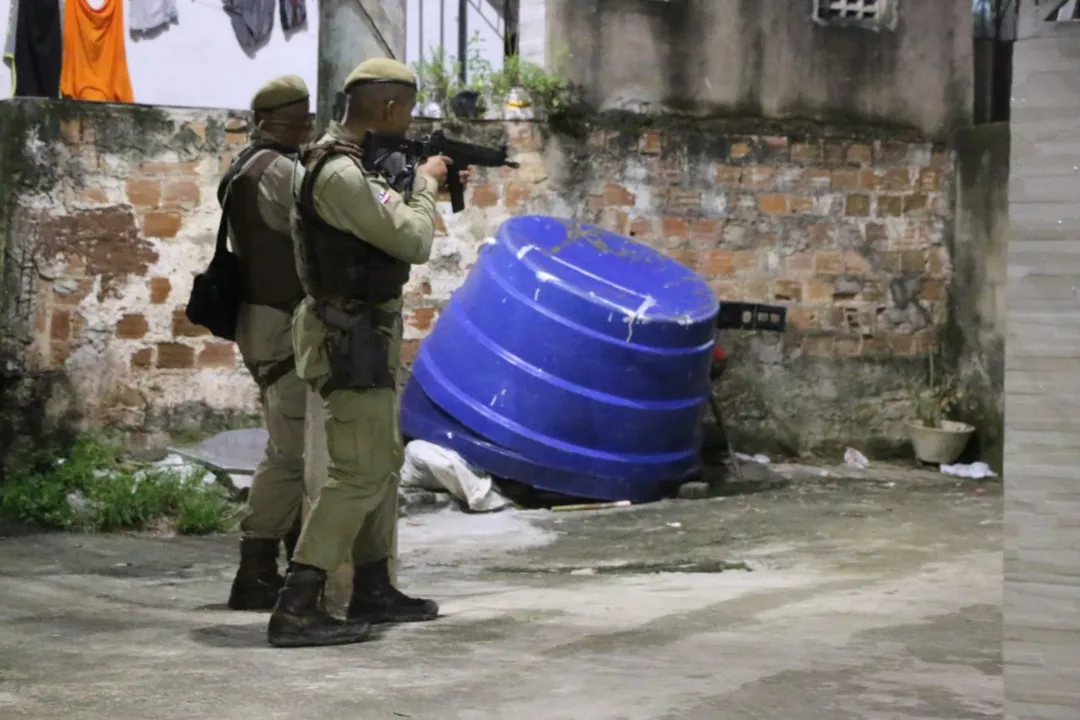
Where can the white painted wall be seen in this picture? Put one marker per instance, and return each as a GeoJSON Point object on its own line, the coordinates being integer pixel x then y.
{"type": "Point", "coordinates": [197, 62]}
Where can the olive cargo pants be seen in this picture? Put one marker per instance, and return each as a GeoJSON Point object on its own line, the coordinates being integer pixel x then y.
{"type": "Point", "coordinates": [355, 514]}
{"type": "Point", "coordinates": [277, 488]}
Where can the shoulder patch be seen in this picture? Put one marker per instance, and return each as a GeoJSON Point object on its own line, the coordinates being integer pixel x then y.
{"type": "Point", "coordinates": [384, 197]}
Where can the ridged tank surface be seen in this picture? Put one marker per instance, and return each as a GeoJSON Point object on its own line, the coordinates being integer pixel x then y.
{"type": "Point", "coordinates": [576, 349]}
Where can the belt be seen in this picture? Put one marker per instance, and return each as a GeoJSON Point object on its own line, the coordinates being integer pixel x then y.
{"type": "Point", "coordinates": [273, 373]}
{"type": "Point", "coordinates": [342, 320]}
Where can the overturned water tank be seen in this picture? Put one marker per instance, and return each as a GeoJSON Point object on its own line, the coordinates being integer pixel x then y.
{"type": "Point", "coordinates": [572, 359]}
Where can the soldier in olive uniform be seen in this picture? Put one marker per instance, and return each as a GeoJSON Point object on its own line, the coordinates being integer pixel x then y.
{"type": "Point", "coordinates": [257, 195]}
{"type": "Point", "coordinates": [356, 238]}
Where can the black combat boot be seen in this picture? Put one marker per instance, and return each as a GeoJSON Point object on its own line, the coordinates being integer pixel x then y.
{"type": "Point", "coordinates": [300, 619]}
{"type": "Point", "coordinates": [257, 582]}
{"type": "Point", "coordinates": [376, 600]}
{"type": "Point", "coordinates": [291, 538]}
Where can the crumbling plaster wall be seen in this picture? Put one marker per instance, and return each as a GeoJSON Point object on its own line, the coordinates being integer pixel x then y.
{"type": "Point", "coordinates": [115, 212]}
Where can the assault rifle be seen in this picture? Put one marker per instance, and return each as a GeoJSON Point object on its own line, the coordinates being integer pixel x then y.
{"type": "Point", "coordinates": [462, 154]}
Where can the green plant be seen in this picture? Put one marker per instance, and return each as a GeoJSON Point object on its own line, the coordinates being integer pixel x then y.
{"type": "Point", "coordinates": [93, 489]}
{"type": "Point", "coordinates": [547, 89]}
{"type": "Point", "coordinates": [936, 398]}
{"type": "Point", "coordinates": [439, 79]}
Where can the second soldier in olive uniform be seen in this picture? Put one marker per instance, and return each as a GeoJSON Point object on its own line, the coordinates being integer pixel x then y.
{"type": "Point", "coordinates": [258, 190]}
{"type": "Point", "coordinates": [356, 238]}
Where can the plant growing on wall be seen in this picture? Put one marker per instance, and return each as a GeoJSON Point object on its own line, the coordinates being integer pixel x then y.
{"type": "Point", "coordinates": [547, 90]}
{"type": "Point", "coordinates": [439, 79]}
{"type": "Point", "coordinates": [936, 399]}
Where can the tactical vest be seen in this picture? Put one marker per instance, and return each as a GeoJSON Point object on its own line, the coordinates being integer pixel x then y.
{"type": "Point", "coordinates": [267, 260]}
{"type": "Point", "coordinates": [333, 263]}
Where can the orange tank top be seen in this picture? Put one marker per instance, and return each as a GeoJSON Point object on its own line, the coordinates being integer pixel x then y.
{"type": "Point", "coordinates": [94, 60]}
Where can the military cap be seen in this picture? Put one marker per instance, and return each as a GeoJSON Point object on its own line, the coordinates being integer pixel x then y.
{"type": "Point", "coordinates": [280, 92]}
{"type": "Point", "coordinates": [380, 70]}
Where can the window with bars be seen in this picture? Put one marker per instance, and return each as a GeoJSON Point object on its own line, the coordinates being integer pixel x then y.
{"type": "Point", "coordinates": [867, 13]}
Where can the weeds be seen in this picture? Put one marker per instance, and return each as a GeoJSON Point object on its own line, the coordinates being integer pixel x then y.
{"type": "Point", "coordinates": [92, 489]}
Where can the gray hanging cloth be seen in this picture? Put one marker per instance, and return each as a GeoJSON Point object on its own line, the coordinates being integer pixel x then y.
{"type": "Point", "coordinates": [148, 15]}
{"type": "Point", "coordinates": [252, 21]}
{"type": "Point", "coordinates": [293, 15]}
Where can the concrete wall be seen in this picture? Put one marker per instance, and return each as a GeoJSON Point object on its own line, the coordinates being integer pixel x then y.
{"type": "Point", "coordinates": [115, 212]}
{"type": "Point", "coordinates": [975, 335]}
{"type": "Point", "coordinates": [768, 58]}
{"type": "Point", "coordinates": [1042, 361]}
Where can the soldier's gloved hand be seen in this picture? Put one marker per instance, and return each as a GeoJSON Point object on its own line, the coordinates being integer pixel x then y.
{"type": "Point", "coordinates": [437, 167]}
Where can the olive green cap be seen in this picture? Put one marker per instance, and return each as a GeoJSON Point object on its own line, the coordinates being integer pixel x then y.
{"type": "Point", "coordinates": [280, 92]}
{"type": "Point", "coordinates": [380, 70]}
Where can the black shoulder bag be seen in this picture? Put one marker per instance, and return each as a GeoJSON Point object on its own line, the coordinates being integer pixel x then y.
{"type": "Point", "coordinates": [216, 293]}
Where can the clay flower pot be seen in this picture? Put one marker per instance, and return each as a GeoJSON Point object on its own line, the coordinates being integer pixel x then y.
{"type": "Point", "coordinates": [939, 445]}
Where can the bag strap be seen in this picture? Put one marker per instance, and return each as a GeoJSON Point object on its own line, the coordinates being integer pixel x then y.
{"type": "Point", "coordinates": [223, 194]}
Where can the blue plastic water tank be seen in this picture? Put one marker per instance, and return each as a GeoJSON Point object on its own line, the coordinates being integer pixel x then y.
{"type": "Point", "coordinates": [577, 349]}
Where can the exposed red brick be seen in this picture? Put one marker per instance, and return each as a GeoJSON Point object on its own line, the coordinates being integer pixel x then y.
{"type": "Point", "coordinates": [652, 143]}
{"type": "Point", "coordinates": [816, 179]}
{"type": "Point", "coordinates": [60, 327]}
{"type": "Point", "coordinates": [617, 196]}
{"type": "Point", "coordinates": [856, 264]}
{"type": "Point", "coordinates": [938, 263]}
{"type": "Point", "coordinates": [774, 203]}
{"type": "Point", "coordinates": [876, 234]}
{"type": "Point", "coordinates": [485, 195]}
{"type": "Point", "coordinates": [897, 180]}
{"type": "Point", "coordinates": [642, 228]}
{"type": "Point", "coordinates": [93, 196]}
{"type": "Point", "coordinates": [787, 290]}
{"type": "Point", "coordinates": [143, 192]}
{"type": "Point", "coordinates": [857, 206]}
{"type": "Point", "coordinates": [931, 290]}
{"type": "Point", "coordinates": [422, 318]}
{"type": "Point", "coordinates": [930, 180]}
{"type": "Point", "coordinates": [834, 152]}
{"type": "Point", "coordinates": [800, 263]}
{"type": "Point", "coordinates": [159, 290]}
{"type": "Point", "coordinates": [517, 194]}
{"type": "Point", "coordinates": [142, 359]}
{"type": "Point", "coordinates": [916, 204]}
{"type": "Point", "coordinates": [890, 205]}
{"type": "Point", "coordinates": [683, 199]}
{"type": "Point", "coordinates": [847, 347]}
{"type": "Point", "coordinates": [726, 288]}
{"type": "Point", "coordinates": [162, 224]}
{"type": "Point", "coordinates": [846, 180]}
{"type": "Point", "coordinates": [860, 154]}
{"type": "Point", "coordinates": [182, 192]}
{"type": "Point", "coordinates": [740, 150]}
{"type": "Point", "coordinates": [729, 175]}
{"type": "Point", "coordinates": [132, 327]}
{"type": "Point", "coordinates": [169, 168]}
{"type": "Point", "coordinates": [182, 327]}
{"type": "Point", "coordinates": [804, 318]}
{"type": "Point", "coordinates": [759, 177]}
{"type": "Point", "coordinates": [105, 241]}
{"type": "Point", "coordinates": [902, 345]}
{"type": "Point", "coordinates": [802, 205]}
{"type": "Point", "coordinates": [829, 262]}
{"type": "Point", "coordinates": [806, 153]}
{"type": "Point", "coordinates": [690, 258]}
{"type": "Point", "coordinates": [719, 262]}
{"type": "Point", "coordinates": [175, 356]}
{"type": "Point", "coordinates": [743, 260]}
{"type": "Point", "coordinates": [217, 355]}
{"type": "Point", "coordinates": [674, 228]}
{"type": "Point", "coordinates": [819, 290]}
{"type": "Point", "coordinates": [59, 351]}
{"type": "Point", "coordinates": [705, 231]}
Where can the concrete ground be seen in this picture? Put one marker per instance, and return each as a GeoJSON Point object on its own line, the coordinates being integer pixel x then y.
{"type": "Point", "coordinates": [834, 598]}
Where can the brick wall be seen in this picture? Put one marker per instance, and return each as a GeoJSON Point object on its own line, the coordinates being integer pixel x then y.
{"type": "Point", "coordinates": [848, 230]}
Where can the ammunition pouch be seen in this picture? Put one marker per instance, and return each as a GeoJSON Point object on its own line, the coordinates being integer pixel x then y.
{"type": "Point", "coordinates": [359, 352]}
